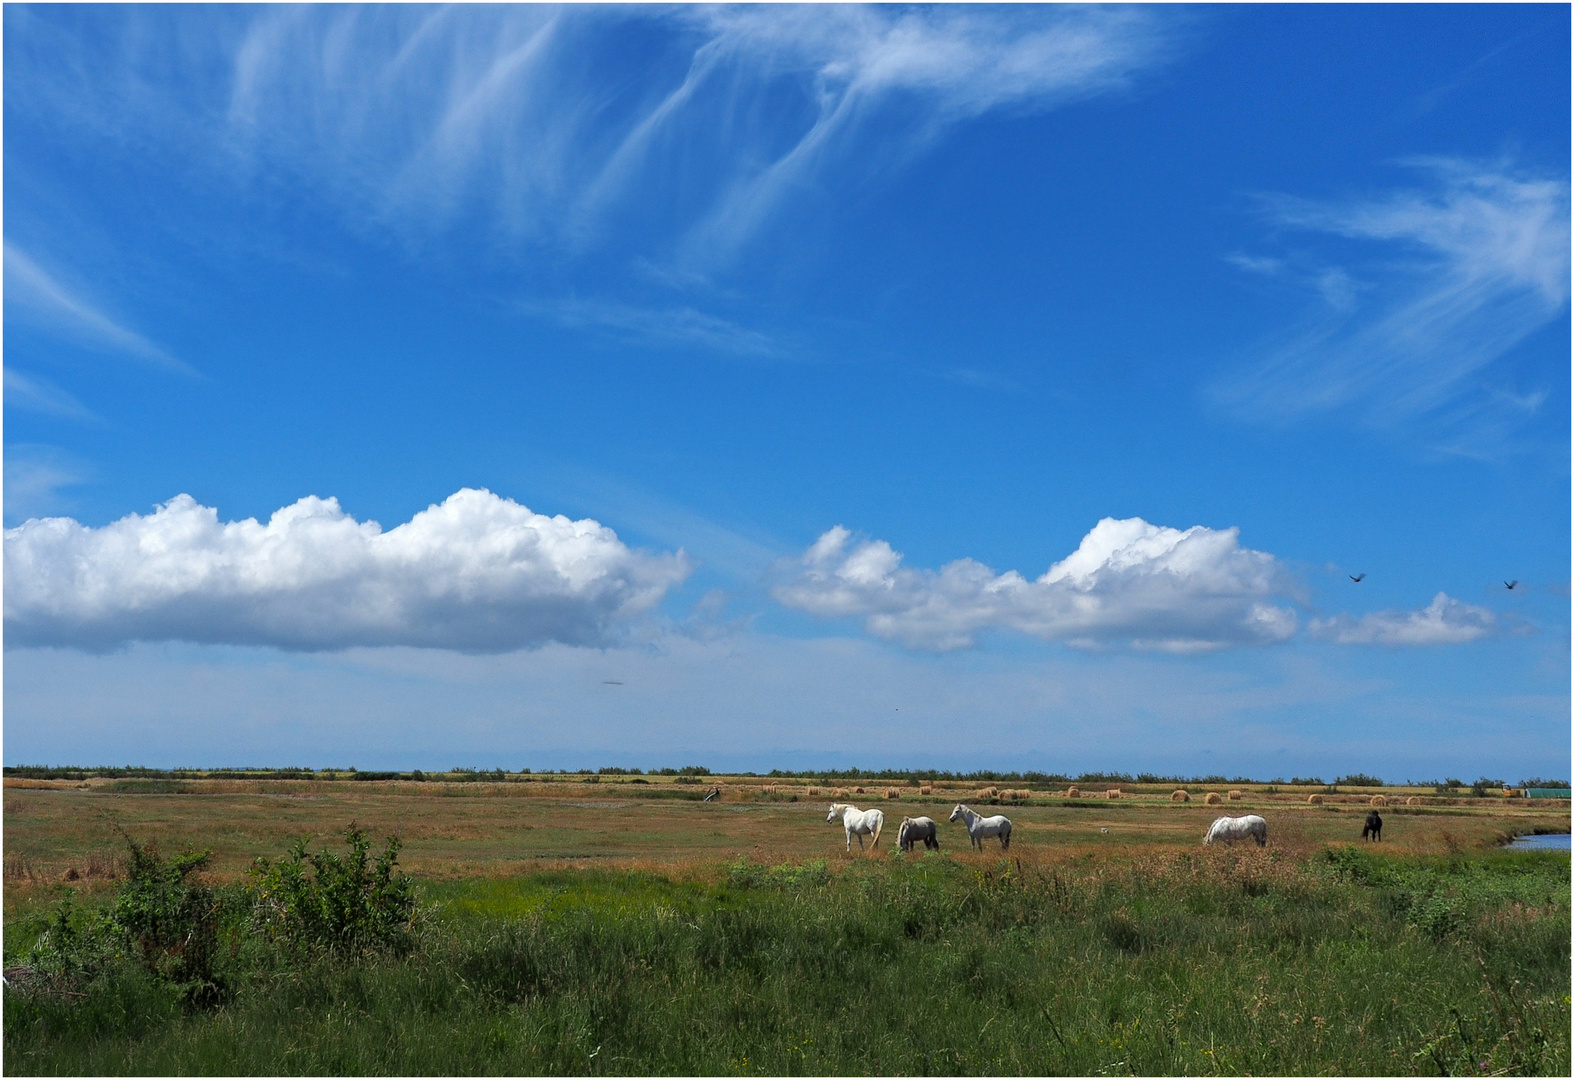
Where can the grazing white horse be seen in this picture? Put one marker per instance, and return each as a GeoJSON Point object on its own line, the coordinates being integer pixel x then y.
{"type": "Point", "coordinates": [858, 822]}
{"type": "Point", "coordinates": [981, 828]}
{"type": "Point", "coordinates": [915, 829]}
{"type": "Point", "coordinates": [1230, 829]}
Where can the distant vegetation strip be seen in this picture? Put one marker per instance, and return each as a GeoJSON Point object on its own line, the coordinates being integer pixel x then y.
{"type": "Point", "coordinates": [694, 772]}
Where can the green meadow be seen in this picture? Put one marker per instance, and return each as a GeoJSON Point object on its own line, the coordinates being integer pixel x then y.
{"type": "Point", "coordinates": [1329, 959]}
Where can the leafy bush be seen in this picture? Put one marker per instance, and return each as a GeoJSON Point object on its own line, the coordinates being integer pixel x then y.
{"type": "Point", "coordinates": [170, 919]}
{"type": "Point", "coordinates": [345, 904]}
{"type": "Point", "coordinates": [1359, 779]}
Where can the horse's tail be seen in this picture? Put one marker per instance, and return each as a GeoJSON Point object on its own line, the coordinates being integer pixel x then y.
{"type": "Point", "coordinates": [879, 823]}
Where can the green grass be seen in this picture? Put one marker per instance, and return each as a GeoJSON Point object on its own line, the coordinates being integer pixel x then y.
{"type": "Point", "coordinates": [1210, 962]}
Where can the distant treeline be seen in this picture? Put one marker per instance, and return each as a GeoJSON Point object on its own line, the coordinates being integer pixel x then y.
{"type": "Point", "coordinates": [471, 775]}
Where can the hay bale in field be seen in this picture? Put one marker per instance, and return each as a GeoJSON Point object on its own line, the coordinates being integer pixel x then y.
{"type": "Point", "coordinates": [1379, 800]}
{"type": "Point", "coordinates": [858, 790]}
{"type": "Point", "coordinates": [1112, 793]}
{"type": "Point", "coordinates": [1413, 800]}
{"type": "Point", "coordinates": [986, 793]}
{"type": "Point", "coordinates": [1315, 800]}
{"type": "Point", "coordinates": [1180, 796]}
{"type": "Point", "coordinates": [1072, 792]}
{"type": "Point", "coordinates": [1237, 795]}
{"type": "Point", "coordinates": [1017, 794]}
{"type": "Point", "coordinates": [926, 789]}
{"type": "Point", "coordinates": [892, 793]}
{"type": "Point", "coordinates": [1213, 798]}
{"type": "Point", "coordinates": [814, 791]}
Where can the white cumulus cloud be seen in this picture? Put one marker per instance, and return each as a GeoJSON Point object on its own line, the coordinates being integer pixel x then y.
{"type": "Point", "coordinates": [1128, 582]}
{"type": "Point", "coordinates": [478, 573]}
{"type": "Point", "coordinates": [1445, 621]}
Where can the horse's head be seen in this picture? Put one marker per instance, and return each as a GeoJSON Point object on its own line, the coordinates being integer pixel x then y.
{"type": "Point", "coordinates": [958, 811]}
{"type": "Point", "coordinates": [836, 811]}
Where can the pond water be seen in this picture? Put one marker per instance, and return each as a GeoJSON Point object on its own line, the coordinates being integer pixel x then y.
{"type": "Point", "coordinates": [1544, 842]}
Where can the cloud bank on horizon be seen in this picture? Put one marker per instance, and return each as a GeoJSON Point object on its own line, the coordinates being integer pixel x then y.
{"type": "Point", "coordinates": [476, 573]}
{"type": "Point", "coordinates": [1128, 583]}
{"type": "Point", "coordinates": [482, 573]}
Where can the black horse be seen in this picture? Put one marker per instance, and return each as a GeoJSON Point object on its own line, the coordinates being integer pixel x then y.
{"type": "Point", "coordinates": [1374, 826]}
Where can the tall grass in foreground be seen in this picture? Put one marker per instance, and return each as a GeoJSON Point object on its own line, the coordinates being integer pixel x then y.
{"type": "Point", "coordinates": [1212, 962]}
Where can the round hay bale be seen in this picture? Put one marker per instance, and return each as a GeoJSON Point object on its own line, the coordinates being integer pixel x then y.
{"type": "Point", "coordinates": [1112, 793]}
{"type": "Point", "coordinates": [892, 793]}
{"type": "Point", "coordinates": [1237, 795]}
{"type": "Point", "coordinates": [1213, 798]}
{"type": "Point", "coordinates": [1413, 800]}
{"type": "Point", "coordinates": [1180, 796]}
{"type": "Point", "coordinates": [986, 793]}
{"type": "Point", "coordinates": [1379, 800]}
{"type": "Point", "coordinates": [1072, 792]}
{"type": "Point", "coordinates": [926, 789]}
{"type": "Point", "coordinates": [1315, 800]}
{"type": "Point", "coordinates": [814, 791]}
{"type": "Point", "coordinates": [858, 790]}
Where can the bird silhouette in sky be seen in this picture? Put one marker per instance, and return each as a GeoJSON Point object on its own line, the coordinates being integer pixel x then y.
{"type": "Point", "coordinates": [1510, 584]}
{"type": "Point", "coordinates": [610, 682]}
{"type": "Point", "coordinates": [1357, 577]}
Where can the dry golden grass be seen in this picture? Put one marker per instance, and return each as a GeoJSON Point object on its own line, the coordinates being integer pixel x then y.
{"type": "Point", "coordinates": [480, 829]}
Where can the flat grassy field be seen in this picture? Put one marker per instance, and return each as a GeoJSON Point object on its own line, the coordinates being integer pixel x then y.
{"type": "Point", "coordinates": [621, 928]}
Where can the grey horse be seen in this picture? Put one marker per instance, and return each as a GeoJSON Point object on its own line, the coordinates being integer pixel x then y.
{"type": "Point", "coordinates": [915, 829]}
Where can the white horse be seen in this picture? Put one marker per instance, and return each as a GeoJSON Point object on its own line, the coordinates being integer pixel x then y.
{"type": "Point", "coordinates": [1231, 829]}
{"type": "Point", "coordinates": [916, 829]}
{"type": "Point", "coordinates": [858, 823]}
{"type": "Point", "coordinates": [981, 828]}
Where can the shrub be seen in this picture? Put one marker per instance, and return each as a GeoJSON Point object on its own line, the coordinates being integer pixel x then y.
{"type": "Point", "coordinates": [1306, 781]}
{"type": "Point", "coordinates": [342, 904]}
{"type": "Point", "coordinates": [1359, 779]}
{"type": "Point", "coordinates": [170, 919]}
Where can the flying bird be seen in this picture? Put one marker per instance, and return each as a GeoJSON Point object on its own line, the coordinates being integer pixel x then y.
{"type": "Point", "coordinates": [1510, 584]}
{"type": "Point", "coordinates": [1357, 577]}
{"type": "Point", "coordinates": [610, 682]}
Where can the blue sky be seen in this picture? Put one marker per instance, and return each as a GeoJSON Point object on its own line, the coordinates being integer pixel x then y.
{"type": "Point", "coordinates": [749, 386]}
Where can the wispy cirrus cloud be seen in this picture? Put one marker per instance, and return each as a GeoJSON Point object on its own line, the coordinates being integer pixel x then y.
{"type": "Point", "coordinates": [1461, 270]}
{"type": "Point", "coordinates": [35, 477]}
{"type": "Point", "coordinates": [34, 296]}
{"type": "Point", "coordinates": [581, 126]}
{"type": "Point", "coordinates": [1445, 621]}
{"type": "Point", "coordinates": [39, 395]}
{"type": "Point", "coordinates": [679, 326]}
